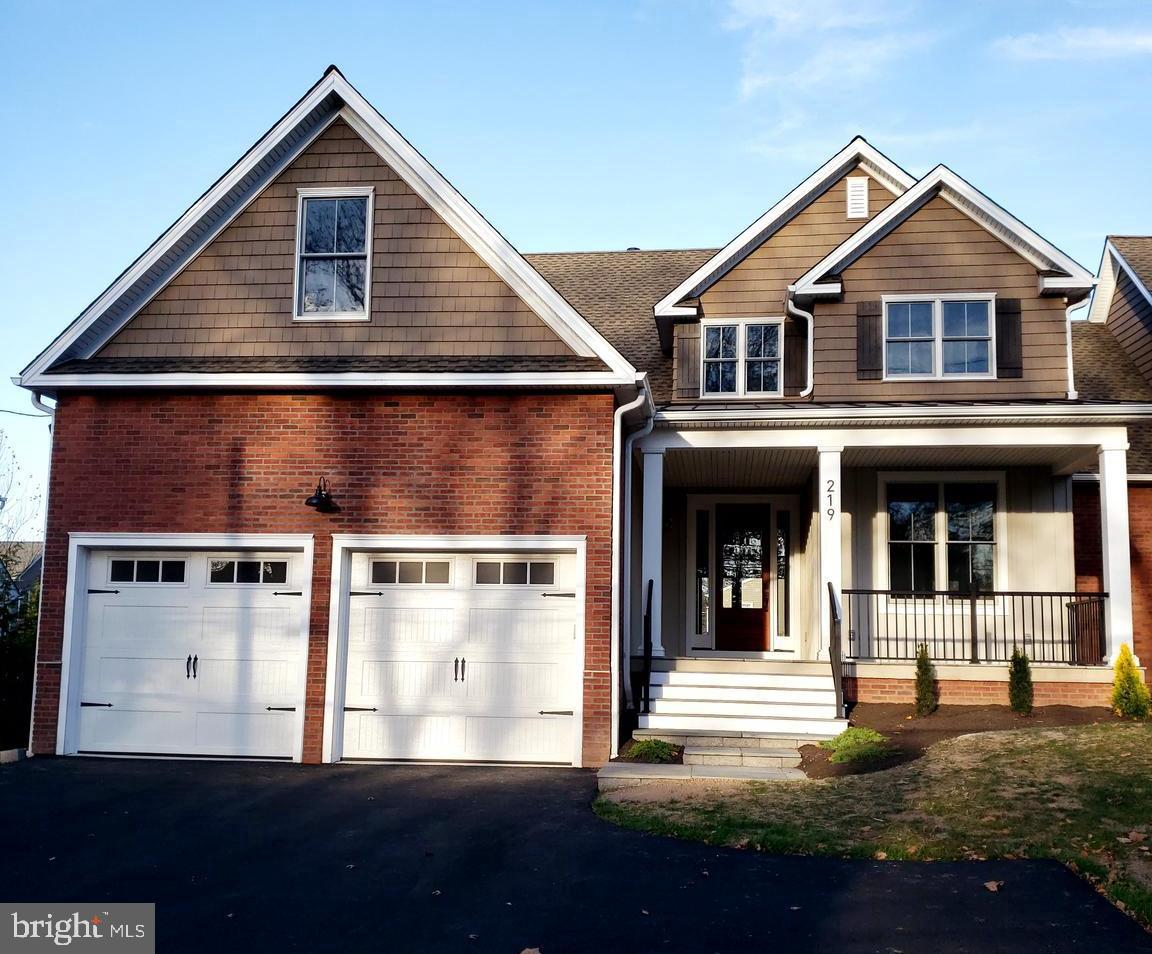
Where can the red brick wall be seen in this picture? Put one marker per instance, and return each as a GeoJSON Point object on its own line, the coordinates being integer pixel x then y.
{"type": "Point", "coordinates": [416, 463]}
{"type": "Point", "coordinates": [1089, 560]}
{"type": "Point", "coordinates": [958, 692]}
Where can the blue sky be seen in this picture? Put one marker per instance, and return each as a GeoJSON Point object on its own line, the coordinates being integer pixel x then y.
{"type": "Point", "coordinates": [657, 123]}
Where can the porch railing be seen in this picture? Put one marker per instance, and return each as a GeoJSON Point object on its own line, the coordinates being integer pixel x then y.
{"type": "Point", "coordinates": [646, 671]}
{"type": "Point", "coordinates": [836, 648]}
{"type": "Point", "coordinates": [976, 627]}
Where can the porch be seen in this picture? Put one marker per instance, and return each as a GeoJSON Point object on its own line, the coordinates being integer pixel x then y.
{"type": "Point", "coordinates": [760, 555]}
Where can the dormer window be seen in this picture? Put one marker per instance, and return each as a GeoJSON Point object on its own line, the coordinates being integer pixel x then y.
{"type": "Point", "coordinates": [333, 254]}
{"type": "Point", "coordinates": [742, 358]}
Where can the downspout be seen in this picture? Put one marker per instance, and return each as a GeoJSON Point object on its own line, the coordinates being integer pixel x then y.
{"type": "Point", "coordinates": [51, 412]}
{"type": "Point", "coordinates": [41, 406]}
{"type": "Point", "coordinates": [1072, 392]}
{"type": "Point", "coordinates": [794, 309]}
{"type": "Point", "coordinates": [621, 455]}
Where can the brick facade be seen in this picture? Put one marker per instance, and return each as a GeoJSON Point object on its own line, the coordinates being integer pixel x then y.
{"type": "Point", "coordinates": [1089, 558]}
{"type": "Point", "coordinates": [963, 692]}
{"type": "Point", "coordinates": [413, 464]}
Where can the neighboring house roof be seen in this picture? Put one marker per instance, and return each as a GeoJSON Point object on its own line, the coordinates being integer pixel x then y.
{"type": "Point", "coordinates": [22, 568]}
{"type": "Point", "coordinates": [857, 153]}
{"type": "Point", "coordinates": [1060, 274]}
{"type": "Point", "coordinates": [1103, 369]}
{"type": "Point", "coordinates": [615, 291]}
{"type": "Point", "coordinates": [331, 98]}
{"type": "Point", "coordinates": [1137, 252]}
{"type": "Point", "coordinates": [1131, 254]}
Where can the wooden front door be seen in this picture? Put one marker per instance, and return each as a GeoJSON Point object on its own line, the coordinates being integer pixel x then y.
{"type": "Point", "coordinates": [745, 565]}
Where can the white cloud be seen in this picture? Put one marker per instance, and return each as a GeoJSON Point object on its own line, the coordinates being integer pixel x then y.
{"type": "Point", "coordinates": [791, 16]}
{"type": "Point", "coordinates": [1083, 44]}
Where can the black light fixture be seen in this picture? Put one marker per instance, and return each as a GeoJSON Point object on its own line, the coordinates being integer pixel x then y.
{"type": "Point", "coordinates": [321, 501]}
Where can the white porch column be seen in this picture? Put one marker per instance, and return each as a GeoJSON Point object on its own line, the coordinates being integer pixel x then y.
{"type": "Point", "coordinates": [652, 543]}
{"type": "Point", "coordinates": [831, 546]}
{"type": "Point", "coordinates": [1114, 540]}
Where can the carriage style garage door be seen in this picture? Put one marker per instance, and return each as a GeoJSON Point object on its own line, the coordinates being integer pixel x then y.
{"type": "Point", "coordinates": [192, 653]}
{"type": "Point", "coordinates": [462, 656]}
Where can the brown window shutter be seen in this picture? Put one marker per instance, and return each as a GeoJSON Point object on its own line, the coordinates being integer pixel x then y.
{"type": "Point", "coordinates": [869, 341]}
{"type": "Point", "coordinates": [1009, 350]}
{"type": "Point", "coordinates": [686, 358]}
{"type": "Point", "coordinates": [795, 357]}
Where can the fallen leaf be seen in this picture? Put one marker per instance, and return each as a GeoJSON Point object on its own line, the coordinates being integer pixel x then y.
{"type": "Point", "coordinates": [473, 937]}
{"type": "Point", "coordinates": [1124, 841]}
{"type": "Point", "coordinates": [881, 855]}
{"type": "Point", "coordinates": [642, 911]}
{"type": "Point", "coordinates": [436, 893]}
{"type": "Point", "coordinates": [993, 885]}
{"type": "Point", "coordinates": [1136, 836]}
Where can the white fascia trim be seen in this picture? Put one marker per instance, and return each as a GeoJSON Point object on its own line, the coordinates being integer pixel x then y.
{"type": "Point", "coordinates": [419, 174]}
{"type": "Point", "coordinates": [1110, 412]}
{"type": "Point", "coordinates": [1034, 248]}
{"type": "Point", "coordinates": [1105, 285]}
{"type": "Point", "coordinates": [883, 169]}
{"type": "Point", "coordinates": [479, 234]}
{"type": "Point", "coordinates": [272, 379]}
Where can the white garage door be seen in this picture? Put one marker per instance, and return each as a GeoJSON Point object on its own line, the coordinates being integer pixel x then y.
{"type": "Point", "coordinates": [467, 657]}
{"type": "Point", "coordinates": [193, 653]}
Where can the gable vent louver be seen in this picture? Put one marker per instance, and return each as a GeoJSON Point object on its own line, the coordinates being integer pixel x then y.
{"type": "Point", "coordinates": [857, 197]}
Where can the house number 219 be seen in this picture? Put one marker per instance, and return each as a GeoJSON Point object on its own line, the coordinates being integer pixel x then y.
{"type": "Point", "coordinates": [831, 511]}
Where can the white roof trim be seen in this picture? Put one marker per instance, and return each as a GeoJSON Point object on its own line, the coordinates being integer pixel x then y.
{"type": "Point", "coordinates": [875, 163]}
{"type": "Point", "coordinates": [813, 413]}
{"type": "Point", "coordinates": [1106, 289]}
{"type": "Point", "coordinates": [420, 176]}
{"type": "Point", "coordinates": [973, 203]}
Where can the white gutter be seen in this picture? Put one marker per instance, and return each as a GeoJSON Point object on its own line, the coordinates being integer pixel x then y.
{"type": "Point", "coordinates": [765, 415]}
{"type": "Point", "coordinates": [41, 406]}
{"type": "Point", "coordinates": [1072, 393]}
{"type": "Point", "coordinates": [793, 309]}
{"type": "Point", "coordinates": [620, 456]}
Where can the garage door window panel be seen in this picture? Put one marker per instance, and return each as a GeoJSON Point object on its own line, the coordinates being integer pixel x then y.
{"type": "Point", "coordinates": [146, 571]}
{"type": "Point", "coordinates": [411, 572]}
{"type": "Point", "coordinates": [515, 573]}
{"type": "Point", "coordinates": [248, 572]}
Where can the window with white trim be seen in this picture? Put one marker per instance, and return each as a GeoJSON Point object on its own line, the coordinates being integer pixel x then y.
{"type": "Point", "coordinates": [939, 337]}
{"type": "Point", "coordinates": [941, 531]}
{"type": "Point", "coordinates": [742, 358]}
{"type": "Point", "coordinates": [333, 249]}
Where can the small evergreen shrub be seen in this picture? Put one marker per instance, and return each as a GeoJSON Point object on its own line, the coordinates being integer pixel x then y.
{"type": "Point", "coordinates": [1129, 694]}
{"type": "Point", "coordinates": [857, 744]}
{"type": "Point", "coordinates": [652, 750]}
{"type": "Point", "coordinates": [925, 682]}
{"type": "Point", "coordinates": [1020, 683]}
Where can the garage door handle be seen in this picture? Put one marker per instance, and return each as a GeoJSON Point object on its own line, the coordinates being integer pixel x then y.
{"type": "Point", "coordinates": [103, 591]}
{"type": "Point", "coordinates": [570, 596]}
{"type": "Point", "coordinates": [463, 666]}
{"type": "Point", "coordinates": [96, 705]}
{"type": "Point", "coordinates": [456, 669]}
{"type": "Point", "coordinates": [287, 593]}
{"type": "Point", "coordinates": [195, 666]}
{"type": "Point", "coordinates": [365, 593]}
{"type": "Point", "coordinates": [280, 708]}
{"type": "Point", "coordinates": [556, 712]}
{"type": "Point", "coordinates": [188, 667]}
{"type": "Point", "coordinates": [359, 708]}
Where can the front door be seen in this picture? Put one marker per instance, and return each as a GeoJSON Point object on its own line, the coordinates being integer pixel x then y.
{"type": "Point", "coordinates": [745, 568]}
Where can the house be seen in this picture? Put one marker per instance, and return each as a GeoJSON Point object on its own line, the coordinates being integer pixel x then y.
{"type": "Point", "coordinates": [19, 573]}
{"type": "Point", "coordinates": [385, 488]}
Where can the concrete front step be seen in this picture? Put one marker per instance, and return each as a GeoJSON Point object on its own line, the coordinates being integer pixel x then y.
{"type": "Point", "coordinates": [617, 775]}
{"type": "Point", "coordinates": [745, 680]}
{"type": "Point", "coordinates": [741, 755]}
{"type": "Point", "coordinates": [746, 666]}
{"type": "Point", "coordinates": [717, 737]}
{"type": "Point", "coordinates": [824, 728]}
{"type": "Point", "coordinates": [758, 710]}
{"type": "Point", "coordinates": [815, 695]}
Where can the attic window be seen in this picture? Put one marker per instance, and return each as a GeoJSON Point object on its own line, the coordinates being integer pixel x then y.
{"type": "Point", "coordinates": [857, 197]}
{"type": "Point", "coordinates": [333, 252]}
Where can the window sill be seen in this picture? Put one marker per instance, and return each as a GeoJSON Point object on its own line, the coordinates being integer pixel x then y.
{"type": "Point", "coordinates": [888, 378]}
{"type": "Point", "coordinates": [330, 318]}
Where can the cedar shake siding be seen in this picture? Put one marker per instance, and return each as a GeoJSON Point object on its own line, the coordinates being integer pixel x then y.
{"type": "Point", "coordinates": [940, 249]}
{"type": "Point", "coordinates": [757, 287]}
{"type": "Point", "coordinates": [1130, 320]}
{"type": "Point", "coordinates": [431, 295]}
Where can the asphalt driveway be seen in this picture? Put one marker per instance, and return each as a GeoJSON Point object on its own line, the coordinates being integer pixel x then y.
{"type": "Point", "coordinates": [268, 857]}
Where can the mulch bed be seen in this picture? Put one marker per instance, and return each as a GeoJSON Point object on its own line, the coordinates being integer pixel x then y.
{"type": "Point", "coordinates": [626, 749]}
{"type": "Point", "coordinates": [910, 736]}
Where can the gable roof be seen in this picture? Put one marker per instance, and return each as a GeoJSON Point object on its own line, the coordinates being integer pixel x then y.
{"type": "Point", "coordinates": [1132, 254]}
{"type": "Point", "coordinates": [331, 98]}
{"type": "Point", "coordinates": [858, 153]}
{"type": "Point", "coordinates": [1059, 273]}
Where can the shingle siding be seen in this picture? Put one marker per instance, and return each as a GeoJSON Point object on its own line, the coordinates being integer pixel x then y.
{"type": "Point", "coordinates": [430, 293]}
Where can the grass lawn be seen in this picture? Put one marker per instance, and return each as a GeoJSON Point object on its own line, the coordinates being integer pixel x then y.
{"type": "Point", "coordinates": [1079, 794]}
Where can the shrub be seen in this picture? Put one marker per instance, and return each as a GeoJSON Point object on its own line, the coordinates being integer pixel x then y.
{"type": "Point", "coordinates": [1020, 683]}
{"type": "Point", "coordinates": [857, 744]}
{"type": "Point", "coordinates": [925, 682]}
{"type": "Point", "coordinates": [652, 750]}
{"type": "Point", "coordinates": [1129, 694]}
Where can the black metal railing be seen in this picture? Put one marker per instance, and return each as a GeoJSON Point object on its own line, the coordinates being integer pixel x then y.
{"type": "Point", "coordinates": [976, 627]}
{"type": "Point", "coordinates": [646, 671]}
{"type": "Point", "coordinates": [835, 652]}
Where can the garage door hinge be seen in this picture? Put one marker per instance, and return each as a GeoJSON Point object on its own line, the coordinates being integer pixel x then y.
{"type": "Point", "coordinates": [570, 596]}
{"type": "Point", "coordinates": [96, 705]}
{"type": "Point", "coordinates": [287, 593]}
{"type": "Point", "coordinates": [103, 591]}
{"type": "Point", "coordinates": [359, 708]}
{"type": "Point", "coordinates": [365, 593]}
{"type": "Point", "coordinates": [280, 708]}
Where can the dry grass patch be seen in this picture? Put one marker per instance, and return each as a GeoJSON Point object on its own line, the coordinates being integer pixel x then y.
{"type": "Point", "coordinates": [1080, 794]}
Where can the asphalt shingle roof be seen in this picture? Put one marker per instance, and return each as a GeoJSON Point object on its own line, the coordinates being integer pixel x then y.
{"type": "Point", "coordinates": [1137, 252]}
